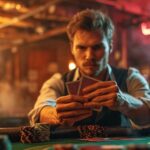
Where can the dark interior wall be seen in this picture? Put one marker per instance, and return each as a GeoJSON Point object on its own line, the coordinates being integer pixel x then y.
{"type": "Point", "coordinates": [41, 55]}
{"type": "Point", "coordinates": [131, 46]}
{"type": "Point", "coordinates": [23, 72]}
{"type": "Point", "coordinates": [139, 48]}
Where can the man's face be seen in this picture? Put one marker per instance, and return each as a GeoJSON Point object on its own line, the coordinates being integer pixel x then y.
{"type": "Point", "coordinates": [91, 52]}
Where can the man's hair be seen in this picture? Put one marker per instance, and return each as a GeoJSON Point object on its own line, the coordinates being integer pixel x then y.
{"type": "Point", "coordinates": [91, 20]}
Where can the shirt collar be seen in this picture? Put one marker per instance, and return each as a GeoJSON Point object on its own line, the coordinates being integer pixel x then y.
{"type": "Point", "coordinates": [109, 75]}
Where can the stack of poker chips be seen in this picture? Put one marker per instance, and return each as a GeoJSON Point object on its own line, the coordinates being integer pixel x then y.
{"type": "Point", "coordinates": [34, 134]}
{"type": "Point", "coordinates": [65, 147]}
{"type": "Point", "coordinates": [45, 132]}
{"type": "Point", "coordinates": [90, 131]}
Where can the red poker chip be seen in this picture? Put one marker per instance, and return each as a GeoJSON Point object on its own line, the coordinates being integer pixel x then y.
{"type": "Point", "coordinates": [113, 147]}
{"type": "Point", "coordinates": [104, 147]}
{"type": "Point", "coordinates": [90, 147]}
{"type": "Point", "coordinates": [138, 147]}
{"type": "Point", "coordinates": [65, 147]}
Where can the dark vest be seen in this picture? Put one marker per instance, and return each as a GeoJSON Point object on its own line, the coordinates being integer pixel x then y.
{"type": "Point", "coordinates": [107, 117]}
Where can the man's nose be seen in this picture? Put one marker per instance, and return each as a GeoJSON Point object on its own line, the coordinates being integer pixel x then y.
{"type": "Point", "coordinates": [90, 53]}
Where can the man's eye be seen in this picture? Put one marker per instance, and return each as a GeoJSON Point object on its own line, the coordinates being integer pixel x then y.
{"type": "Point", "coordinates": [97, 47]}
{"type": "Point", "coordinates": [81, 47]}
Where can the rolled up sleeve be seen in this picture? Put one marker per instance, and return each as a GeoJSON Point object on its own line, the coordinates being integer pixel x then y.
{"type": "Point", "coordinates": [50, 91]}
{"type": "Point", "coordinates": [136, 99]}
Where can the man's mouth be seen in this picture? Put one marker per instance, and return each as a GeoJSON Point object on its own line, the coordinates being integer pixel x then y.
{"type": "Point", "coordinates": [90, 64]}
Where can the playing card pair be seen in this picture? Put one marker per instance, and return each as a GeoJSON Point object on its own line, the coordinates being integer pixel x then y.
{"type": "Point", "coordinates": [76, 87]}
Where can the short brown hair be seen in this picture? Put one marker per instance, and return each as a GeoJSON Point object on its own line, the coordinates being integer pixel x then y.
{"type": "Point", "coordinates": [91, 20]}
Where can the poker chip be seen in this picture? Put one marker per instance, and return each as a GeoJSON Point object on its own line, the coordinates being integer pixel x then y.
{"type": "Point", "coordinates": [90, 147]}
{"type": "Point", "coordinates": [34, 134]}
{"type": "Point", "coordinates": [104, 147]}
{"type": "Point", "coordinates": [113, 147]}
{"type": "Point", "coordinates": [65, 147]}
{"type": "Point", "coordinates": [138, 147]}
{"type": "Point", "coordinates": [90, 131]}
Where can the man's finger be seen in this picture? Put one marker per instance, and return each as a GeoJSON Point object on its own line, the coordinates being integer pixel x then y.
{"type": "Point", "coordinates": [75, 113]}
{"type": "Point", "coordinates": [102, 91]}
{"type": "Point", "coordinates": [104, 98]}
{"type": "Point", "coordinates": [71, 98]}
{"type": "Point", "coordinates": [98, 85]}
{"type": "Point", "coordinates": [69, 106]}
{"type": "Point", "coordinates": [71, 121]}
{"type": "Point", "coordinates": [96, 105]}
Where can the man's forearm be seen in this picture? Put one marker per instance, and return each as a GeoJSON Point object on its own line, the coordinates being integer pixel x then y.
{"type": "Point", "coordinates": [135, 109]}
{"type": "Point", "coordinates": [49, 115]}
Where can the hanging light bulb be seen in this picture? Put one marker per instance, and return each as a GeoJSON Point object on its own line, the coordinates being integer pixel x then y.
{"type": "Point", "coordinates": [145, 27]}
{"type": "Point", "coordinates": [71, 65]}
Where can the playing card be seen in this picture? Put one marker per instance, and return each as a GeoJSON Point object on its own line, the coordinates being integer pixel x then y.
{"type": "Point", "coordinates": [72, 87]}
{"type": "Point", "coordinates": [86, 81]}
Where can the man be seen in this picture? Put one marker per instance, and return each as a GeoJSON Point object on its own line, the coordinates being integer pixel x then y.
{"type": "Point", "coordinates": [120, 98]}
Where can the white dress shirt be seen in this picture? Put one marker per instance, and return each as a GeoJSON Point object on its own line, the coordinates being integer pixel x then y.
{"type": "Point", "coordinates": [137, 87]}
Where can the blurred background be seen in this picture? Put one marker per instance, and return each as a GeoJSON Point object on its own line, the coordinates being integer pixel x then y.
{"type": "Point", "coordinates": [34, 46]}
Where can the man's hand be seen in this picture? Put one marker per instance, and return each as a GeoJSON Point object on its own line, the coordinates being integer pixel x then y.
{"type": "Point", "coordinates": [48, 114]}
{"type": "Point", "coordinates": [70, 109]}
{"type": "Point", "coordinates": [103, 93]}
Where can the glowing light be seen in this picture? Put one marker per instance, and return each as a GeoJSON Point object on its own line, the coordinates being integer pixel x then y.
{"type": "Point", "coordinates": [145, 28]}
{"type": "Point", "coordinates": [40, 29]}
{"type": "Point", "coordinates": [52, 9]}
{"type": "Point", "coordinates": [18, 6]}
{"type": "Point", "coordinates": [14, 49]}
{"type": "Point", "coordinates": [13, 6]}
{"type": "Point", "coordinates": [9, 6]}
{"type": "Point", "coordinates": [71, 65]}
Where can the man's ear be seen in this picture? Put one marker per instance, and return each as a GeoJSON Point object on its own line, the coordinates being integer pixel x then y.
{"type": "Point", "coordinates": [71, 47]}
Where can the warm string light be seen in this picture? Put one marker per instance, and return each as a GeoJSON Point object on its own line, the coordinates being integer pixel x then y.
{"type": "Point", "coordinates": [145, 29]}
{"type": "Point", "coordinates": [9, 6]}
{"type": "Point", "coordinates": [71, 65]}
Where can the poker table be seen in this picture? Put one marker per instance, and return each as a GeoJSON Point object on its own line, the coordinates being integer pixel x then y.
{"type": "Point", "coordinates": [80, 143]}
{"type": "Point", "coordinates": [124, 137]}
